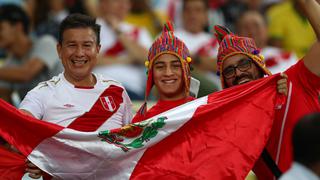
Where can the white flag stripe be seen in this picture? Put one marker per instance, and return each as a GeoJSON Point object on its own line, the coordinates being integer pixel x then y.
{"type": "Point", "coordinates": [109, 103]}
{"type": "Point", "coordinates": [82, 155]}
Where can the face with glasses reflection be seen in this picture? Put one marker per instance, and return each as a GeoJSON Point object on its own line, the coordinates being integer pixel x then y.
{"type": "Point", "coordinates": [240, 69]}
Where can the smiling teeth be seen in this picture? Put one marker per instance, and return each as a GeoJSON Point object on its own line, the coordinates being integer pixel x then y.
{"type": "Point", "coordinates": [79, 62]}
{"type": "Point", "coordinates": [169, 81]}
{"type": "Point", "coordinates": [243, 81]}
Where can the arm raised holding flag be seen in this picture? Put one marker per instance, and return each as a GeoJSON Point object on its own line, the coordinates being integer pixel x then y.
{"type": "Point", "coordinates": [312, 11]}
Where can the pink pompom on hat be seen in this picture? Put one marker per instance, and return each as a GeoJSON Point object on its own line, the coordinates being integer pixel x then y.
{"type": "Point", "coordinates": [231, 44]}
{"type": "Point", "coordinates": [167, 43]}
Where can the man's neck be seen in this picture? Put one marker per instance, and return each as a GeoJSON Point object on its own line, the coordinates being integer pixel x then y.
{"type": "Point", "coordinates": [89, 81]}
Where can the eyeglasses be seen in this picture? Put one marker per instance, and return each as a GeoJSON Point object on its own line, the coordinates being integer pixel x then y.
{"type": "Point", "coordinates": [230, 71]}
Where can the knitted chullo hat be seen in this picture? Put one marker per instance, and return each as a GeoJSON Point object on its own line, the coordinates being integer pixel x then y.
{"type": "Point", "coordinates": [231, 45]}
{"type": "Point", "coordinates": [167, 43]}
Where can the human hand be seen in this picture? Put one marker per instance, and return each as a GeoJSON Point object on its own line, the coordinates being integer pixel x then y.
{"type": "Point", "coordinates": [114, 23]}
{"type": "Point", "coordinates": [33, 170]}
{"type": "Point", "coordinates": [282, 86]}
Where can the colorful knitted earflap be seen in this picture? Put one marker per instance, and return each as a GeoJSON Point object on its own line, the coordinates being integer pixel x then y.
{"type": "Point", "coordinates": [231, 45]}
{"type": "Point", "coordinates": [167, 43]}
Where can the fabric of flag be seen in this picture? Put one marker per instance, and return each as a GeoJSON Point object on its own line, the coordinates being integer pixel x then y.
{"type": "Point", "coordinates": [219, 136]}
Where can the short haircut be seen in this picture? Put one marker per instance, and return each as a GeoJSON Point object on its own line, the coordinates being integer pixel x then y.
{"type": "Point", "coordinates": [205, 3]}
{"type": "Point", "coordinates": [15, 14]}
{"type": "Point", "coordinates": [79, 21]}
{"type": "Point", "coordinates": [306, 140]}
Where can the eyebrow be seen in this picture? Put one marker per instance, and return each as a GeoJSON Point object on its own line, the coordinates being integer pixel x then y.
{"type": "Point", "coordinates": [161, 62]}
{"type": "Point", "coordinates": [75, 41]}
{"type": "Point", "coordinates": [158, 62]}
{"type": "Point", "coordinates": [176, 61]}
{"type": "Point", "coordinates": [241, 60]}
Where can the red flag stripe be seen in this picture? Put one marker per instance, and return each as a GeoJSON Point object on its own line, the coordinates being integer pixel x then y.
{"type": "Point", "coordinates": [25, 140]}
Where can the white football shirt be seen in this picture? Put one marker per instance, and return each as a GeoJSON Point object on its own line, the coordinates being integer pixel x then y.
{"type": "Point", "coordinates": [60, 102]}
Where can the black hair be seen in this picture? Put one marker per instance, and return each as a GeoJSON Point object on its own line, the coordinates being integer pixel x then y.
{"type": "Point", "coordinates": [15, 14]}
{"type": "Point", "coordinates": [79, 21]}
{"type": "Point", "coordinates": [306, 140]}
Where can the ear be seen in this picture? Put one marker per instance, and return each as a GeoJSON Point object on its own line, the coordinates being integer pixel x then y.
{"type": "Point", "coordinates": [59, 47]}
{"type": "Point", "coordinates": [98, 48]}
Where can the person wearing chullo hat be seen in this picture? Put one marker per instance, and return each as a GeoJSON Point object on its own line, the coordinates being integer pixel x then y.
{"type": "Point", "coordinates": [241, 51]}
{"type": "Point", "coordinates": [239, 61]}
{"type": "Point", "coordinates": [168, 69]}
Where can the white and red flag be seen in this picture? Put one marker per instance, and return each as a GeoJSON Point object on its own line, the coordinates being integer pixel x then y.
{"type": "Point", "coordinates": [219, 136]}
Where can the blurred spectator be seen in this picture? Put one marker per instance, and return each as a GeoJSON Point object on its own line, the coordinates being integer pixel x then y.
{"type": "Point", "coordinates": [306, 150]}
{"type": "Point", "coordinates": [195, 20]}
{"type": "Point", "coordinates": [91, 7]}
{"type": "Point", "coordinates": [16, 2]}
{"type": "Point", "coordinates": [286, 20]}
{"type": "Point", "coordinates": [231, 11]}
{"type": "Point", "coordinates": [77, 6]}
{"type": "Point", "coordinates": [143, 15]}
{"type": "Point", "coordinates": [57, 10]}
{"type": "Point", "coordinates": [215, 13]}
{"type": "Point", "coordinates": [252, 24]}
{"type": "Point", "coordinates": [123, 47]}
{"type": "Point", "coordinates": [29, 61]}
{"type": "Point", "coordinates": [160, 6]}
{"type": "Point", "coordinates": [2, 2]}
{"type": "Point", "coordinates": [174, 12]}
{"type": "Point", "coordinates": [46, 16]}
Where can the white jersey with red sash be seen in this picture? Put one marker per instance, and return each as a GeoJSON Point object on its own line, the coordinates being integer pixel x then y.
{"type": "Point", "coordinates": [104, 106]}
{"type": "Point", "coordinates": [132, 77]}
{"type": "Point", "coordinates": [196, 41]}
{"type": "Point", "coordinates": [110, 45]}
{"type": "Point", "coordinates": [278, 60]}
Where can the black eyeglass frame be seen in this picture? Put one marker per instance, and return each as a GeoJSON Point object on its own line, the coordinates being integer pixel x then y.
{"type": "Point", "coordinates": [243, 65]}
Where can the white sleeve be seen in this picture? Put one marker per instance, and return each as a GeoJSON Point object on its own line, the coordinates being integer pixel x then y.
{"type": "Point", "coordinates": [34, 102]}
{"type": "Point", "coordinates": [127, 113]}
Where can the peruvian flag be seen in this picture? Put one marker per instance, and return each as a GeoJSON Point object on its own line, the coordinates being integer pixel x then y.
{"type": "Point", "coordinates": [219, 136]}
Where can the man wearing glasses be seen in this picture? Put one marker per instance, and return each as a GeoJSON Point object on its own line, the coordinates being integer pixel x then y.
{"type": "Point", "coordinates": [239, 61]}
{"type": "Point", "coordinates": [244, 71]}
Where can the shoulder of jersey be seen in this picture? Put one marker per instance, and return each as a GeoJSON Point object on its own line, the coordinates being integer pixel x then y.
{"type": "Point", "coordinates": [106, 81]}
{"type": "Point", "coordinates": [52, 83]}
